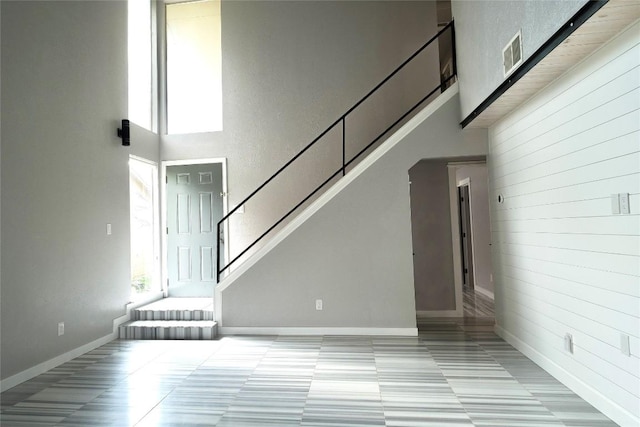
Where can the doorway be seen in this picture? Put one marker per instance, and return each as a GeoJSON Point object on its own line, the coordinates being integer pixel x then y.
{"type": "Point", "coordinates": [435, 188]}
{"type": "Point", "coordinates": [472, 235]}
{"type": "Point", "coordinates": [466, 234]}
{"type": "Point", "coordinates": [195, 200]}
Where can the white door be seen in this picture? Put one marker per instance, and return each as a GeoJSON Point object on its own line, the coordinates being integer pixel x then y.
{"type": "Point", "coordinates": [194, 206]}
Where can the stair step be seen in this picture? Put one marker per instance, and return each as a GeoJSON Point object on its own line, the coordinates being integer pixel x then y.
{"type": "Point", "coordinates": [176, 309]}
{"type": "Point", "coordinates": [169, 330]}
{"type": "Point", "coordinates": [185, 315]}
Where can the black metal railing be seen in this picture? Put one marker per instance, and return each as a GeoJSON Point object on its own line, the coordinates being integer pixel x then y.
{"type": "Point", "coordinates": [445, 81]}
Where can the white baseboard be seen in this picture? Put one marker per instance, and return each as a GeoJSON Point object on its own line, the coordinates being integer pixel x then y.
{"type": "Point", "coordinates": [402, 332]}
{"type": "Point", "coordinates": [485, 292]}
{"type": "Point", "coordinates": [601, 402]}
{"type": "Point", "coordinates": [439, 313]}
{"type": "Point", "coordinates": [45, 366]}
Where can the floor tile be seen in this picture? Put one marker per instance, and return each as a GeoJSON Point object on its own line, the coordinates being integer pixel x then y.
{"type": "Point", "coordinates": [455, 373]}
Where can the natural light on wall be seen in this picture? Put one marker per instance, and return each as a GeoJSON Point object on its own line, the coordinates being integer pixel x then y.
{"type": "Point", "coordinates": [194, 67]}
{"type": "Point", "coordinates": [140, 64]}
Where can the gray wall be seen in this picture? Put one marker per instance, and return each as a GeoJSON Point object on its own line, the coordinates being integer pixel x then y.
{"type": "Point", "coordinates": [355, 252]}
{"type": "Point", "coordinates": [431, 236]}
{"type": "Point", "coordinates": [484, 27]}
{"type": "Point", "coordinates": [64, 176]}
{"type": "Point", "coordinates": [290, 69]}
{"type": "Point", "coordinates": [480, 224]}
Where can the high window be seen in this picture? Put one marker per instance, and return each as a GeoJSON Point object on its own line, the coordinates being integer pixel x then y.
{"type": "Point", "coordinates": [141, 64]}
{"type": "Point", "coordinates": [194, 67]}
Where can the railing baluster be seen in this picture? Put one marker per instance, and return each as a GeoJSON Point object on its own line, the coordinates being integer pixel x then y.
{"type": "Point", "coordinates": [453, 51]}
{"type": "Point", "coordinates": [344, 154]}
{"type": "Point", "coordinates": [218, 253]}
{"type": "Point", "coordinates": [345, 163]}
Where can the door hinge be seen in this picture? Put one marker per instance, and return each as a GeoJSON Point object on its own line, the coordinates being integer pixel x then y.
{"type": "Point", "coordinates": [167, 230]}
{"type": "Point", "coordinates": [466, 271]}
{"type": "Point", "coordinates": [166, 179]}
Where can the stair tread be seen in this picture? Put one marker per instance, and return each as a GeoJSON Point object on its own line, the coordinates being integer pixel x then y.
{"type": "Point", "coordinates": [205, 304]}
{"type": "Point", "coordinates": [171, 323]}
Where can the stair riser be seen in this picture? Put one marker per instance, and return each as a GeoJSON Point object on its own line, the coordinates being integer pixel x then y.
{"type": "Point", "coordinates": [173, 315]}
{"type": "Point", "coordinates": [167, 333]}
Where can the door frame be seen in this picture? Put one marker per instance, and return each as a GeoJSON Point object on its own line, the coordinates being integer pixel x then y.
{"type": "Point", "coordinates": [467, 183]}
{"type": "Point", "coordinates": [163, 198]}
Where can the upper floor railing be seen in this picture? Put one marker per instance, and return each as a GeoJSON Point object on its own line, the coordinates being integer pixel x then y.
{"type": "Point", "coordinates": [446, 65]}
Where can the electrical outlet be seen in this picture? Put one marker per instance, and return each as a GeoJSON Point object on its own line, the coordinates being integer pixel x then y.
{"type": "Point", "coordinates": [318, 304]}
{"type": "Point", "coordinates": [60, 329]}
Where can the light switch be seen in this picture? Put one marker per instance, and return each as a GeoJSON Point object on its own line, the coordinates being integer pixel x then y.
{"type": "Point", "coordinates": [108, 229]}
{"type": "Point", "coordinates": [615, 204]}
{"type": "Point", "coordinates": [624, 203]}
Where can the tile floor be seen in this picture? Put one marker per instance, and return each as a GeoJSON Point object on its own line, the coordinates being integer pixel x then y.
{"type": "Point", "coordinates": [476, 304]}
{"type": "Point", "coordinates": [455, 373]}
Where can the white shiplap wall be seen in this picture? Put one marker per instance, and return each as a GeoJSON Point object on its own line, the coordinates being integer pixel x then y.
{"type": "Point", "coordinates": [563, 262]}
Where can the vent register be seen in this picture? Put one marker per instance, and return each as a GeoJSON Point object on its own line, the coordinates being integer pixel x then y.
{"type": "Point", "coordinates": [512, 54]}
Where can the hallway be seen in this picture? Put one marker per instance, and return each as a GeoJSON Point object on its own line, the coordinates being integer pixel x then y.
{"type": "Point", "coordinates": [476, 304]}
{"type": "Point", "coordinates": [453, 373]}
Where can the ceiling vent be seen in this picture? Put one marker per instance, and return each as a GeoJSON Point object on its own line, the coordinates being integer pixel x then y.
{"type": "Point", "coordinates": [512, 54]}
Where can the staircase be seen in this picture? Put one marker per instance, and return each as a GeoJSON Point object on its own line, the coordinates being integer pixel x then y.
{"type": "Point", "coordinates": [351, 155]}
{"type": "Point", "coordinates": [172, 319]}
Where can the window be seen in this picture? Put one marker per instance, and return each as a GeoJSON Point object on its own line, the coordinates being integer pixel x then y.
{"type": "Point", "coordinates": [194, 67]}
{"type": "Point", "coordinates": [141, 63]}
{"type": "Point", "coordinates": [143, 179]}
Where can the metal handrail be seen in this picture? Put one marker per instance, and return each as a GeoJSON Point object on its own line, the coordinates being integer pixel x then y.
{"type": "Point", "coordinates": [345, 164]}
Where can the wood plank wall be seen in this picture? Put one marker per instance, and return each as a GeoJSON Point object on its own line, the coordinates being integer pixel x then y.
{"type": "Point", "coordinates": [563, 261]}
